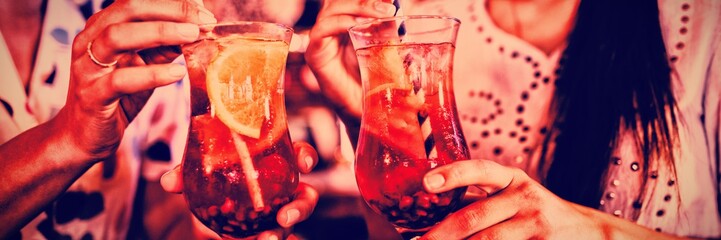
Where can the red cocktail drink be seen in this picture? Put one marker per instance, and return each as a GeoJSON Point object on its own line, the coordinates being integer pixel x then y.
{"type": "Point", "coordinates": [239, 167]}
{"type": "Point", "coordinates": [409, 123]}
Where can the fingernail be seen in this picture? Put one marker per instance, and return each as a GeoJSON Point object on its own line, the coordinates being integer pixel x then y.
{"type": "Point", "coordinates": [291, 216]}
{"type": "Point", "coordinates": [164, 180]}
{"type": "Point", "coordinates": [177, 70]}
{"type": "Point", "coordinates": [206, 17]}
{"type": "Point", "coordinates": [188, 31]}
{"type": "Point", "coordinates": [308, 162]}
{"type": "Point", "coordinates": [273, 237]}
{"type": "Point", "coordinates": [385, 8]}
{"type": "Point", "coordinates": [435, 181]}
{"type": "Point", "coordinates": [163, 177]}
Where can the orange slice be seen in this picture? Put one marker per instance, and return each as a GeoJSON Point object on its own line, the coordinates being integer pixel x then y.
{"type": "Point", "coordinates": [242, 80]}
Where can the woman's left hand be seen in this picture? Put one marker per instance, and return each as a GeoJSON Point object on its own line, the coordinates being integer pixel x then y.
{"type": "Point", "coordinates": [518, 207]}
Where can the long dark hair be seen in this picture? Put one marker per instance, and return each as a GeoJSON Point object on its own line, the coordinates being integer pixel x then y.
{"type": "Point", "coordinates": [614, 74]}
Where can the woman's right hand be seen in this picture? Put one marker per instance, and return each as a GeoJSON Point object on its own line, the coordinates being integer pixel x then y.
{"type": "Point", "coordinates": [109, 82]}
{"type": "Point", "coordinates": [104, 96]}
{"type": "Point", "coordinates": [330, 54]}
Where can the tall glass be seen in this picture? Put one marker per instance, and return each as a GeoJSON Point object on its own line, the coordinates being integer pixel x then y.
{"type": "Point", "coordinates": [238, 168]}
{"type": "Point", "coordinates": [409, 123]}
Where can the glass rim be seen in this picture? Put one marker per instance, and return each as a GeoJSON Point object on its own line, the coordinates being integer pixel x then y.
{"type": "Point", "coordinates": [353, 28]}
{"type": "Point", "coordinates": [238, 23]}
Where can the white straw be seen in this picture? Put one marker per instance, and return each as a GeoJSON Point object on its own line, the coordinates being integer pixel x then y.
{"type": "Point", "coordinates": [251, 176]}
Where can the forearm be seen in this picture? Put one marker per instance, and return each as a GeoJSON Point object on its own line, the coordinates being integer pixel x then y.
{"type": "Point", "coordinates": [619, 228]}
{"type": "Point", "coordinates": [351, 121]}
{"type": "Point", "coordinates": [37, 166]}
{"type": "Point", "coordinates": [346, 104]}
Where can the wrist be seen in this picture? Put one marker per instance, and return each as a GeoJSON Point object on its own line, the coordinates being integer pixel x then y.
{"type": "Point", "coordinates": [613, 227]}
{"type": "Point", "coordinates": [66, 140]}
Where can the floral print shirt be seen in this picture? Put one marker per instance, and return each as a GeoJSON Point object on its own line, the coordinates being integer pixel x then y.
{"type": "Point", "coordinates": [99, 204]}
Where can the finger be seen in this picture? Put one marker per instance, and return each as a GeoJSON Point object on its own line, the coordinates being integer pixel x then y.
{"type": "Point", "coordinates": [172, 181]}
{"type": "Point", "coordinates": [163, 10]}
{"type": "Point", "coordinates": [136, 11]}
{"type": "Point", "coordinates": [473, 196]}
{"type": "Point", "coordinates": [489, 176]}
{"type": "Point", "coordinates": [200, 231]}
{"type": "Point", "coordinates": [363, 8]}
{"type": "Point", "coordinates": [123, 37]}
{"type": "Point", "coordinates": [515, 228]}
{"type": "Point", "coordinates": [135, 79]}
{"type": "Point", "coordinates": [159, 10]}
{"type": "Point", "coordinates": [131, 105]}
{"type": "Point", "coordinates": [337, 18]}
{"type": "Point", "coordinates": [475, 217]}
{"type": "Point", "coordinates": [306, 156]}
{"type": "Point", "coordinates": [333, 26]}
{"type": "Point", "coordinates": [300, 208]}
{"type": "Point", "coordinates": [275, 234]}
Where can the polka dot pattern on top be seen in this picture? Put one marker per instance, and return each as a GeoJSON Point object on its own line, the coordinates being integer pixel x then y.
{"type": "Point", "coordinates": [502, 111]}
{"type": "Point", "coordinates": [521, 80]}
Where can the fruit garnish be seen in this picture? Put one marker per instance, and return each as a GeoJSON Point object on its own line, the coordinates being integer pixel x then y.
{"type": "Point", "coordinates": [241, 82]}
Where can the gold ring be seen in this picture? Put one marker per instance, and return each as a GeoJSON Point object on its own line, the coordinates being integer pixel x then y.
{"type": "Point", "coordinates": [96, 61]}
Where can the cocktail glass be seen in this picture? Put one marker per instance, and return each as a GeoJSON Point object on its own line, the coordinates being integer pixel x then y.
{"type": "Point", "coordinates": [238, 168]}
{"type": "Point", "coordinates": [409, 123]}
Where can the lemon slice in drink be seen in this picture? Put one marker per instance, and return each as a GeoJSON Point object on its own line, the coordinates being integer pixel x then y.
{"type": "Point", "coordinates": [242, 81]}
